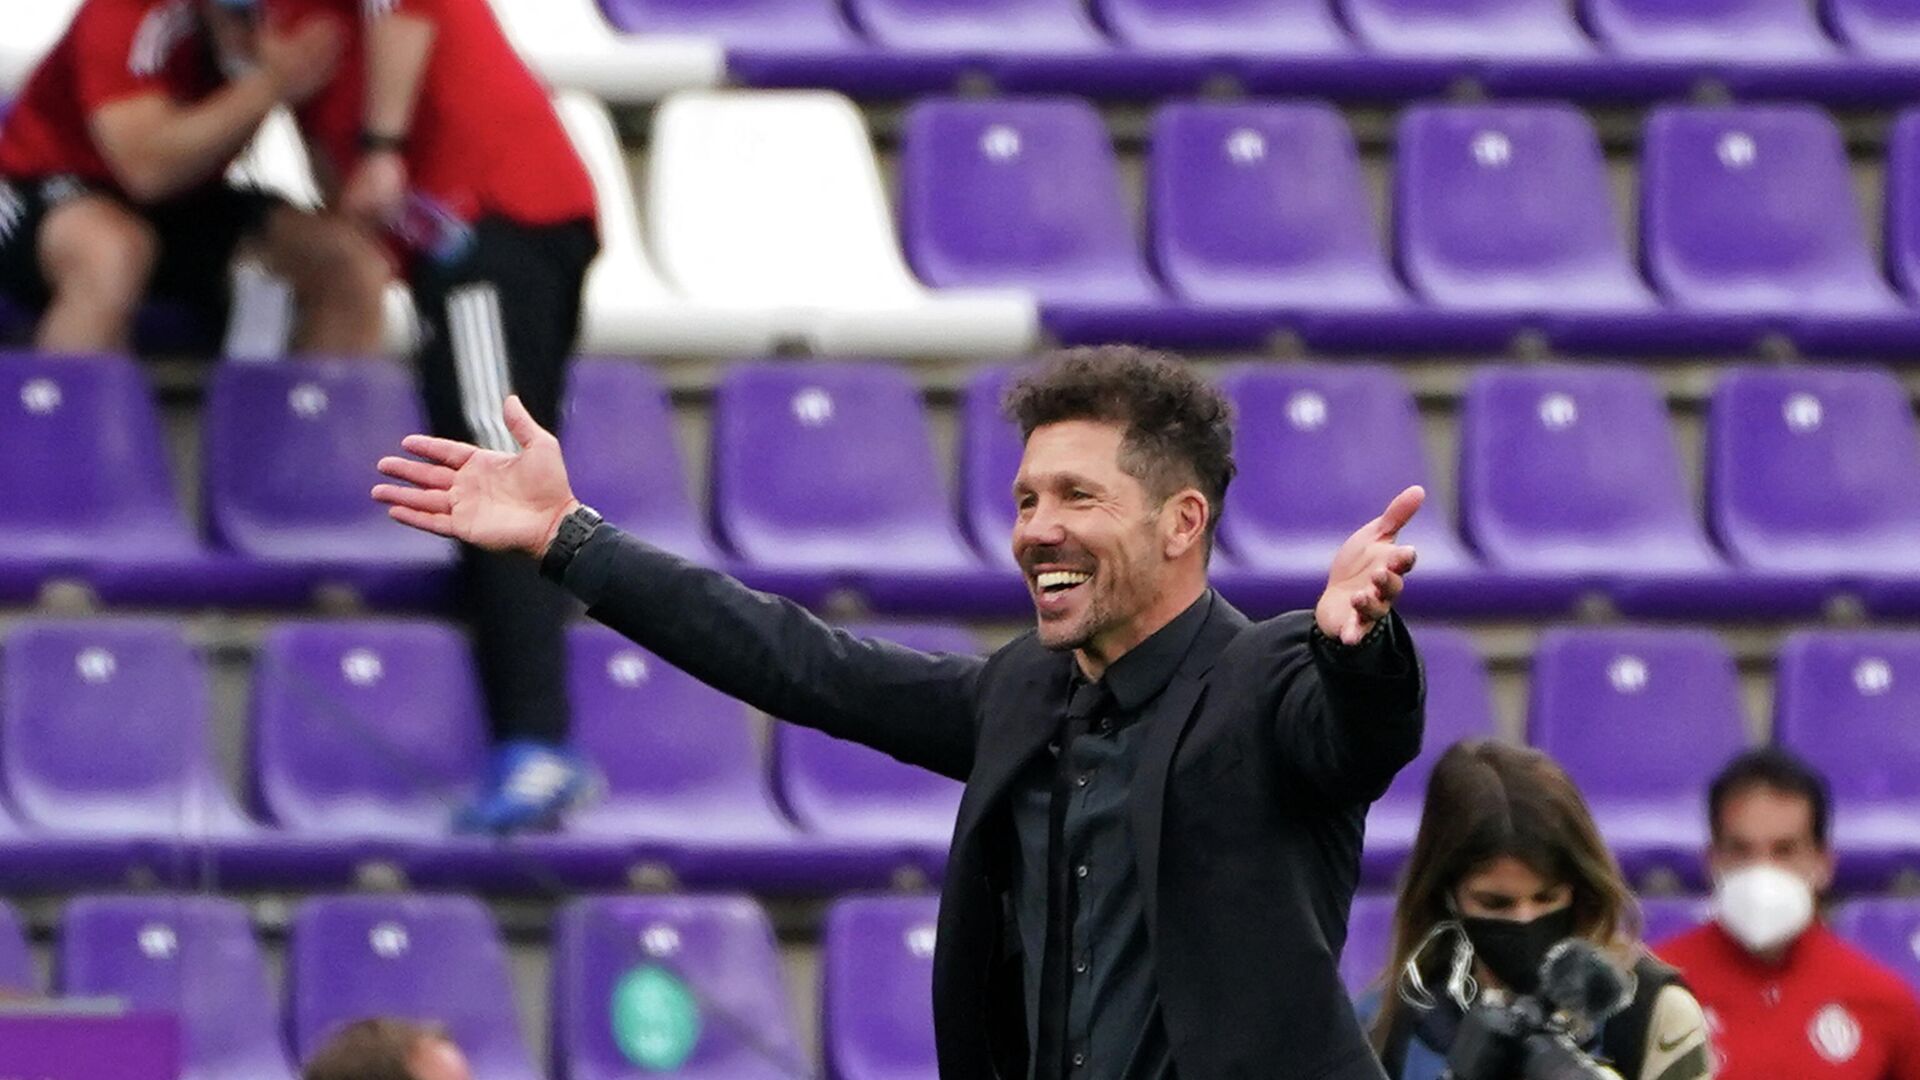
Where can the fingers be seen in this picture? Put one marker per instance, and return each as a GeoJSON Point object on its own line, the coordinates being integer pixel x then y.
{"type": "Point", "coordinates": [438, 524]}
{"type": "Point", "coordinates": [440, 451]}
{"type": "Point", "coordinates": [1401, 559]}
{"type": "Point", "coordinates": [418, 473]}
{"type": "Point", "coordinates": [1401, 510]}
{"type": "Point", "coordinates": [520, 423]}
{"type": "Point", "coordinates": [424, 501]}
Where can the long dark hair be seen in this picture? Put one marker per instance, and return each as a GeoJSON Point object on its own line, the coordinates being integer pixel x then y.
{"type": "Point", "coordinates": [1485, 801]}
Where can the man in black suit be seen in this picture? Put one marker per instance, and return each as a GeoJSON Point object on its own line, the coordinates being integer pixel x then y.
{"type": "Point", "coordinates": [1160, 835]}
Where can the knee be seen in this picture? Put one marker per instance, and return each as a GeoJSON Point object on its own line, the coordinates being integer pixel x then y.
{"type": "Point", "coordinates": [106, 264]}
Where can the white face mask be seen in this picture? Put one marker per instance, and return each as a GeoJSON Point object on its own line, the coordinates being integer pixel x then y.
{"type": "Point", "coordinates": [1763, 906]}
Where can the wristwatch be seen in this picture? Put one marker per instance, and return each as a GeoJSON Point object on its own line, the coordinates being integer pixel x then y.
{"type": "Point", "coordinates": [575, 530]}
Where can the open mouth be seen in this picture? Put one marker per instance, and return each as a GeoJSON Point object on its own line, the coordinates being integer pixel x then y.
{"type": "Point", "coordinates": [1060, 582]}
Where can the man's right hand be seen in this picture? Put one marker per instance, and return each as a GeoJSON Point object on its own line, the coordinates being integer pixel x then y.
{"type": "Point", "coordinates": [496, 501]}
{"type": "Point", "coordinates": [299, 61]}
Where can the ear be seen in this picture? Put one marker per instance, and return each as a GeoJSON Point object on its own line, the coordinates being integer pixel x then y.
{"type": "Point", "coordinates": [1184, 523]}
{"type": "Point", "coordinates": [1823, 880]}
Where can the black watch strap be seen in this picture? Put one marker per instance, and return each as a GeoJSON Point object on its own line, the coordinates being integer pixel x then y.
{"type": "Point", "coordinates": [575, 530]}
{"type": "Point", "coordinates": [377, 142]}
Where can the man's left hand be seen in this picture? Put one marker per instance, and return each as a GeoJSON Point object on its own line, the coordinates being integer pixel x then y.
{"type": "Point", "coordinates": [1369, 571]}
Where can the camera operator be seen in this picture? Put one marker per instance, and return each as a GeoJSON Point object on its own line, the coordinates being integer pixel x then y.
{"type": "Point", "coordinates": [1508, 864]}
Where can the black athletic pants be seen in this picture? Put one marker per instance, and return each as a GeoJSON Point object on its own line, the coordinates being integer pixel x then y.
{"type": "Point", "coordinates": [499, 320]}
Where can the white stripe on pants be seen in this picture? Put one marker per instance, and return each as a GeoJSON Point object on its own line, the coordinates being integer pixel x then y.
{"type": "Point", "coordinates": [480, 363]}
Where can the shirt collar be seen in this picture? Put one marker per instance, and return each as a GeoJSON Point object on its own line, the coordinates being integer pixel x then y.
{"type": "Point", "coordinates": [1146, 669]}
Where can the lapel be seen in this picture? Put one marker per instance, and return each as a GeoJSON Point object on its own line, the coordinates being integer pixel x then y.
{"type": "Point", "coordinates": [1007, 747]}
{"type": "Point", "coordinates": [1146, 801]}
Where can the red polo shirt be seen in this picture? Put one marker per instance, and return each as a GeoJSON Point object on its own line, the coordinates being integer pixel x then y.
{"type": "Point", "coordinates": [1828, 1012]}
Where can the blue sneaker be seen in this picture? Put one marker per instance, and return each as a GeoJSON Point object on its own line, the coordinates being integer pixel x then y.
{"type": "Point", "coordinates": [530, 786]}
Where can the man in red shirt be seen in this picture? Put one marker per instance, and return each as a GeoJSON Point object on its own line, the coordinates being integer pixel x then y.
{"type": "Point", "coordinates": [1785, 998]}
{"type": "Point", "coordinates": [111, 184]}
{"type": "Point", "coordinates": [435, 131]}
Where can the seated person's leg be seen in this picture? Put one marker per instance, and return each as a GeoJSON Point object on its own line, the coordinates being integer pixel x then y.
{"type": "Point", "coordinates": [339, 276]}
{"type": "Point", "coordinates": [96, 256]}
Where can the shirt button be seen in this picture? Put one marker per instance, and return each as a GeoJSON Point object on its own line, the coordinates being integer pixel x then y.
{"type": "Point", "coordinates": [1081, 870]}
{"type": "Point", "coordinates": [1084, 779]}
{"type": "Point", "coordinates": [1080, 966]}
{"type": "Point", "coordinates": [1079, 1060]}
{"type": "Point", "coordinates": [1105, 725]}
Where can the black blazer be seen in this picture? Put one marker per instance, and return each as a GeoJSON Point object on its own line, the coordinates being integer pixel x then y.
{"type": "Point", "coordinates": [1248, 817]}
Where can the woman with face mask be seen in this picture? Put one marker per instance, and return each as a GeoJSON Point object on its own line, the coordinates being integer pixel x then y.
{"type": "Point", "coordinates": [1507, 865]}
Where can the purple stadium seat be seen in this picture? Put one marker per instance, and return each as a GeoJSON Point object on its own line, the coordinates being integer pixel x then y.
{"type": "Point", "coordinates": [1902, 203]}
{"type": "Point", "coordinates": [1749, 212]}
{"type": "Point", "coordinates": [1262, 207]}
{"type": "Point", "coordinates": [1505, 209]}
{"type": "Point", "coordinates": [1218, 28]}
{"type": "Point", "coordinates": [1459, 706]}
{"type": "Point", "coordinates": [623, 457]}
{"type": "Point", "coordinates": [974, 28]}
{"type": "Point", "coordinates": [1640, 719]}
{"type": "Point", "coordinates": [1888, 928]}
{"type": "Point", "coordinates": [86, 483]}
{"type": "Point", "coordinates": [1666, 917]}
{"type": "Point", "coordinates": [194, 956]}
{"type": "Point", "coordinates": [72, 688]}
{"type": "Point", "coordinates": [1023, 193]}
{"type": "Point", "coordinates": [1810, 472]}
{"type": "Point", "coordinates": [1572, 473]}
{"type": "Point", "coordinates": [876, 997]}
{"type": "Point", "coordinates": [1882, 29]}
{"type": "Point", "coordinates": [288, 458]}
{"type": "Point", "coordinates": [1358, 426]}
{"type": "Point", "coordinates": [1369, 943]}
{"type": "Point", "coordinates": [365, 731]}
{"type": "Point", "coordinates": [718, 949]}
{"type": "Point", "coordinates": [686, 785]}
{"type": "Point", "coordinates": [1709, 30]}
{"type": "Point", "coordinates": [749, 24]}
{"type": "Point", "coordinates": [824, 477]}
{"type": "Point", "coordinates": [844, 791]}
{"type": "Point", "coordinates": [1846, 702]}
{"type": "Point", "coordinates": [990, 451]}
{"type": "Point", "coordinates": [437, 959]}
{"type": "Point", "coordinates": [1472, 29]}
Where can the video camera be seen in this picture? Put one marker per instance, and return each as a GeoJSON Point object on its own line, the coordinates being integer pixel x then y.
{"type": "Point", "coordinates": [1538, 1036]}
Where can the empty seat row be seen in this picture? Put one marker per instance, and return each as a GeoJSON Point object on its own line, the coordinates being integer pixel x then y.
{"type": "Point", "coordinates": [686, 986]}
{"type": "Point", "coordinates": [364, 735]}
{"type": "Point", "coordinates": [1604, 49]}
{"type": "Point", "coordinates": [1258, 221]}
{"type": "Point", "coordinates": [824, 480]}
{"type": "Point", "coordinates": [1887, 928]}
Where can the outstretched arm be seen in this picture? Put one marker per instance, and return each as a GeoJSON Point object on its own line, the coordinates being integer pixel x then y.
{"type": "Point", "coordinates": [1351, 705]}
{"type": "Point", "coordinates": [764, 650]}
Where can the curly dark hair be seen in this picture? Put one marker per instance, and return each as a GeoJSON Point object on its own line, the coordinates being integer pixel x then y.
{"type": "Point", "coordinates": [1179, 427]}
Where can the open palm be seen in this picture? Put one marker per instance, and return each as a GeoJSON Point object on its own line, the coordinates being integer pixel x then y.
{"type": "Point", "coordinates": [1369, 572]}
{"type": "Point", "coordinates": [492, 500]}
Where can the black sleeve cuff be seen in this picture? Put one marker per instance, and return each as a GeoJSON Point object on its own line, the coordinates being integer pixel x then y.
{"type": "Point", "coordinates": [1382, 653]}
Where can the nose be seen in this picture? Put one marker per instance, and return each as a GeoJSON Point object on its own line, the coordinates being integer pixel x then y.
{"type": "Point", "coordinates": [1040, 526]}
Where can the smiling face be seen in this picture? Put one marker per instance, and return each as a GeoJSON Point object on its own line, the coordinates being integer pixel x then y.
{"type": "Point", "coordinates": [1105, 561]}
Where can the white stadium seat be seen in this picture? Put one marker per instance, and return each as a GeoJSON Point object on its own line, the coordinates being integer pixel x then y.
{"type": "Point", "coordinates": [570, 44]}
{"type": "Point", "coordinates": [772, 202]}
{"type": "Point", "coordinates": [628, 308]}
{"type": "Point", "coordinates": [28, 28]}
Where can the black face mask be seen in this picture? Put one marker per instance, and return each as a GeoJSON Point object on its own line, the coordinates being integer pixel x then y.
{"type": "Point", "coordinates": [1513, 950]}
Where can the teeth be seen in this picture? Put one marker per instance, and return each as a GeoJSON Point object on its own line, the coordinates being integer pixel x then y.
{"type": "Point", "coordinates": [1057, 578]}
